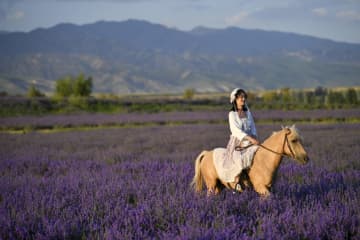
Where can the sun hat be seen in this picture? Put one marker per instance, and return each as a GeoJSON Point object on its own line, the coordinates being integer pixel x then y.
{"type": "Point", "coordinates": [233, 94]}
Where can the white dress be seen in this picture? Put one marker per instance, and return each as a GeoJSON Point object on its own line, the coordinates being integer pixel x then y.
{"type": "Point", "coordinates": [230, 162]}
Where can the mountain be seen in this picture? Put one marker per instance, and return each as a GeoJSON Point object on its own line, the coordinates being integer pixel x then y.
{"type": "Point", "coordinates": [138, 56]}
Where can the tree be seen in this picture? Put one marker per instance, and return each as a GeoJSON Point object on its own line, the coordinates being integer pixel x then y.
{"type": "Point", "coordinates": [270, 96]}
{"type": "Point", "coordinates": [34, 92]}
{"type": "Point", "coordinates": [285, 94]}
{"type": "Point", "coordinates": [309, 98]}
{"type": "Point", "coordinates": [335, 98]}
{"type": "Point", "coordinates": [320, 94]}
{"type": "Point", "coordinates": [189, 93]}
{"type": "Point", "coordinates": [320, 91]}
{"type": "Point", "coordinates": [70, 86]}
{"type": "Point", "coordinates": [298, 97]}
{"type": "Point", "coordinates": [64, 87]}
{"type": "Point", "coordinates": [351, 96]}
{"type": "Point", "coordinates": [82, 87]}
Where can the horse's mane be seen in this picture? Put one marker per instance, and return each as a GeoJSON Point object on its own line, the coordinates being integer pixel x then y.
{"type": "Point", "coordinates": [294, 131]}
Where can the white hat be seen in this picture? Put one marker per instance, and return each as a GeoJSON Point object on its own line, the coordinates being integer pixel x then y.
{"type": "Point", "coordinates": [232, 94]}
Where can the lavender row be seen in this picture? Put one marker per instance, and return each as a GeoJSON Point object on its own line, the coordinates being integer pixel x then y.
{"type": "Point", "coordinates": [98, 119]}
{"type": "Point", "coordinates": [134, 184]}
{"type": "Point", "coordinates": [323, 142]}
{"type": "Point", "coordinates": [152, 200]}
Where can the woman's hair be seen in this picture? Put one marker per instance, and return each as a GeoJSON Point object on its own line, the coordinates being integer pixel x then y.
{"type": "Point", "coordinates": [237, 94]}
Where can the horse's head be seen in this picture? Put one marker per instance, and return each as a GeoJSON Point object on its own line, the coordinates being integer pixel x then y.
{"type": "Point", "coordinates": [293, 146]}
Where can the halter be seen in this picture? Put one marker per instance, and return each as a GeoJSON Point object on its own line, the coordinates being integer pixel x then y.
{"type": "Point", "coordinates": [286, 141]}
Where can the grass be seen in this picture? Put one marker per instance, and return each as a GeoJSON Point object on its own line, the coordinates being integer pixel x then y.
{"type": "Point", "coordinates": [54, 129]}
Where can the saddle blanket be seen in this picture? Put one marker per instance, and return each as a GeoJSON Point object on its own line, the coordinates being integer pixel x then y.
{"type": "Point", "coordinates": [239, 160]}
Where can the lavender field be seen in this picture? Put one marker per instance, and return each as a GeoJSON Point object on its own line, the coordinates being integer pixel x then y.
{"type": "Point", "coordinates": [133, 183]}
{"type": "Point", "coordinates": [126, 119]}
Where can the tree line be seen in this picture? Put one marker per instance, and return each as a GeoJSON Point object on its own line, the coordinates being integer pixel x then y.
{"type": "Point", "coordinates": [74, 93]}
{"type": "Point", "coordinates": [69, 86]}
{"type": "Point", "coordinates": [320, 97]}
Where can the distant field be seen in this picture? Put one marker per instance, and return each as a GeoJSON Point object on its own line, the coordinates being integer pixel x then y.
{"type": "Point", "coordinates": [101, 120]}
{"type": "Point", "coordinates": [189, 101]}
{"type": "Point", "coordinates": [133, 183]}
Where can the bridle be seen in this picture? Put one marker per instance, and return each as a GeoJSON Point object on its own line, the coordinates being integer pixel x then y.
{"type": "Point", "coordinates": [286, 141]}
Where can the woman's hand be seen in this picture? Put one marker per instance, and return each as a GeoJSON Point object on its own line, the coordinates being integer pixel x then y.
{"type": "Point", "coordinates": [253, 141]}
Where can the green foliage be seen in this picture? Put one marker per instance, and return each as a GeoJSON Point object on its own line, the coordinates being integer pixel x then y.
{"type": "Point", "coordinates": [286, 99]}
{"type": "Point", "coordinates": [270, 96]}
{"type": "Point", "coordinates": [189, 93]}
{"type": "Point", "coordinates": [285, 94]}
{"type": "Point", "coordinates": [78, 102]}
{"type": "Point", "coordinates": [74, 86]}
{"type": "Point", "coordinates": [82, 87]}
{"type": "Point", "coordinates": [34, 92]}
{"type": "Point", "coordinates": [319, 98]}
{"type": "Point", "coordinates": [335, 98]}
{"type": "Point", "coordinates": [351, 96]}
{"type": "Point", "coordinates": [63, 87]}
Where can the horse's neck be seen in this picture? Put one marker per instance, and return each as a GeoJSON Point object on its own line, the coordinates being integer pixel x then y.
{"type": "Point", "coordinates": [266, 162]}
{"type": "Point", "coordinates": [275, 143]}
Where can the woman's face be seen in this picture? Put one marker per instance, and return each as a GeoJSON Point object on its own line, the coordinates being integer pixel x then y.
{"type": "Point", "coordinates": [240, 101]}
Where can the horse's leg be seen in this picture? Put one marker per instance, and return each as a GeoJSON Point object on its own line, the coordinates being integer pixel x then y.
{"type": "Point", "coordinates": [209, 174]}
{"type": "Point", "coordinates": [210, 183]}
{"type": "Point", "coordinates": [258, 182]}
{"type": "Point", "coordinates": [262, 190]}
{"type": "Point", "coordinates": [262, 170]}
{"type": "Point", "coordinates": [244, 179]}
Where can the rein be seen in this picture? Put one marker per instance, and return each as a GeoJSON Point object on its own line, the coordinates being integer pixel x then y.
{"type": "Point", "coordinates": [286, 141]}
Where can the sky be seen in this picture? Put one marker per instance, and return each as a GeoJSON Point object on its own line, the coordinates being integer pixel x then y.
{"type": "Point", "coordinates": [338, 20]}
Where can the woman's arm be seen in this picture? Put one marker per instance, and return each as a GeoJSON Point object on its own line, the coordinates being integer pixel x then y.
{"type": "Point", "coordinates": [235, 128]}
{"type": "Point", "coordinates": [236, 131]}
{"type": "Point", "coordinates": [252, 125]}
{"type": "Point", "coordinates": [253, 140]}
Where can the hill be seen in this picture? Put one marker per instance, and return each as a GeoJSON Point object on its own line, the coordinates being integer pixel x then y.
{"type": "Point", "coordinates": [137, 56]}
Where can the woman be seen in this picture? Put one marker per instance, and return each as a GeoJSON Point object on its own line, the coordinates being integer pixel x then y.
{"type": "Point", "coordinates": [243, 134]}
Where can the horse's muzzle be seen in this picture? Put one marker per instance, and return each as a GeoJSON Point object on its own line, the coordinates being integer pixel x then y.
{"type": "Point", "coordinates": [306, 159]}
{"type": "Point", "coordinates": [303, 160]}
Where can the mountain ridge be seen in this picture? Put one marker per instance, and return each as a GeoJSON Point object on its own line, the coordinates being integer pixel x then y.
{"type": "Point", "coordinates": [138, 56]}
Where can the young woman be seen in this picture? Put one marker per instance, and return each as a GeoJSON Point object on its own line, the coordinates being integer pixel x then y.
{"type": "Point", "coordinates": [243, 134]}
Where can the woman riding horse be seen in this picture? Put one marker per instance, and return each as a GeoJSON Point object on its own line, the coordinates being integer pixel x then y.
{"type": "Point", "coordinates": [261, 173]}
{"type": "Point", "coordinates": [222, 167]}
{"type": "Point", "coordinates": [243, 133]}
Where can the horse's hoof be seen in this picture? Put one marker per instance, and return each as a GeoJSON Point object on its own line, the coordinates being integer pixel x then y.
{"type": "Point", "coordinates": [238, 188]}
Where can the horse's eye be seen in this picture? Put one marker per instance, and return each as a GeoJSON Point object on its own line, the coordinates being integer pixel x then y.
{"type": "Point", "coordinates": [294, 140]}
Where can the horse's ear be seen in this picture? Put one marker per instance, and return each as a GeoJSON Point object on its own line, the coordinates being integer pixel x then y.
{"type": "Point", "coordinates": [288, 131]}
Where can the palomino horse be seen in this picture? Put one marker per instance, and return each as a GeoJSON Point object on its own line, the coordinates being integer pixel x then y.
{"type": "Point", "coordinates": [260, 175]}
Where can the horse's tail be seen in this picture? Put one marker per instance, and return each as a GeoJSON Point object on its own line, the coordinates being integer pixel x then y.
{"type": "Point", "coordinates": [197, 182]}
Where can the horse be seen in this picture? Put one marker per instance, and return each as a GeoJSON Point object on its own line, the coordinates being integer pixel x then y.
{"type": "Point", "coordinates": [260, 176]}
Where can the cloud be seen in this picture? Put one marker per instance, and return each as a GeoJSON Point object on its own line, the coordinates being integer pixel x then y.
{"type": "Point", "coordinates": [350, 15]}
{"type": "Point", "coordinates": [6, 7]}
{"type": "Point", "coordinates": [236, 19]}
{"type": "Point", "coordinates": [16, 15]}
{"type": "Point", "coordinates": [120, 1]}
{"type": "Point", "coordinates": [321, 12]}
